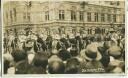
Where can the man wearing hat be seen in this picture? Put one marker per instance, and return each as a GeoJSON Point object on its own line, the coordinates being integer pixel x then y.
{"type": "Point", "coordinates": [92, 57]}
{"type": "Point", "coordinates": [116, 64]}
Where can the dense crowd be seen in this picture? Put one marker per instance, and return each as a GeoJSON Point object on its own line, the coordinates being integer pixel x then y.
{"type": "Point", "coordinates": [64, 54]}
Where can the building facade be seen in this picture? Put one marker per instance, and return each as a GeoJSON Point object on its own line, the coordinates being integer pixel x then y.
{"type": "Point", "coordinates": [64, 17]}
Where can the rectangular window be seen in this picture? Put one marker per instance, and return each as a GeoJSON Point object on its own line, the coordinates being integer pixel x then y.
{"type": "Point", "coordinates": [89, 17]}
{"type": "Point", "coordinates": [102, 17]}
{"type": "Point", "coordinates": [114, 18]}
{"type": "Point", "coordinates": [89, 31]}
{"type": "Point", "coordinates": [118, 3]}
{"type": "Point", "coordinates": [102, 31]}
{"type": "Point", "coordinates": [109, 17]}
{"type": "Point", "coordinates": [14, 10]}
{"type": "Point", "coordinates": [81, 15]}
{"type": "Point", "coordinates": [28, 16]}
{"type": "Point", "coordinates": [11, 18]}
{"type": "Point", "coordinates": [73, 15]}
{"type": "Point", "coordinates": [7, 16]}
{"type": "Point", "coordinates": [24, 16]}
{"type": "Point", "coordinates": [61, 14]}
{"type": "Point", "coordinates": [96, 17]}
{"type": "Point", "coordinates": [123, 17]}
{"type": "Point", "coordinates": [47, 15]}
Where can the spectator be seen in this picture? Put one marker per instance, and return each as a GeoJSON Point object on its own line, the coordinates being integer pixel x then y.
{"type": "Point", "coordinates": [72, 66]}
{"type": "Point", "coordinates": [64, 54]}
{"type": "Point", "coordinates": [56, 67]}
{"type": "Point", "coordinates": [40, 60]}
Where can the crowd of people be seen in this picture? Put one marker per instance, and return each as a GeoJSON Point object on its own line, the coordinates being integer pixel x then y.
{"type": "Point", "coordinates": [64, 54]}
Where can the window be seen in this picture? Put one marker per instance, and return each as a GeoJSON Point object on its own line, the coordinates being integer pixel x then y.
{"type": "Point", "coordinates": [11, 18]}
{"type": "Point", "coordinates": [24, 16]}
{"type": "Point", "coordinates": [103, 31]}
{"type": "Point", "coordinates": [14, 10]}
{"type": "Point", "coordinates": [73, 15]}
{"type": "Point", "coordinates": [114, 18]}
{"type": "Point", "coordinates": [112, 3]}
{"type": "Point", "coordinates": [118, 3]}
{"type": "Point", "coordinates": [28, 16]}
{"type": "Point", "coordinates": [61, 14]}
{"type": "Point", "coordinates": [102, 17]}
{"type": "Point", "coordinates": [89, 17]}
{"type": "Point", "coordinates": [81, 15]}
{"type": "Point", "coordinates": [96, 17]}
{"type": "Point", "coordinates": [47, 15]}
{"type": "Point", "coordinates": [97, 30]}
{"type": "Point", "coordinates": [123, 17]}
{"type": "Point", "coordinates": [89, 31]}
{"type": "Point", "coordinates": [109, 17]}
{"type": "Point", "coordinates": [7, 16]}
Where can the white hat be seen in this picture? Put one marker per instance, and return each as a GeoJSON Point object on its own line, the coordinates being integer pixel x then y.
{"type": "Point", "coordinates": [114, 51]}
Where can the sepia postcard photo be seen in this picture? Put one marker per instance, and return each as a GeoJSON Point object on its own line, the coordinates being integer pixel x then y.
{"type": "Point", "coordinates": [63, 37]}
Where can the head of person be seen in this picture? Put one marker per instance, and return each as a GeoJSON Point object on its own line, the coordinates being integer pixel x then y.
{"type": "Point", "coordinates": [92, 52]}
{"type": "Point", "coordinates": [98, 38]}
{"type": "Point", "coordinates": [116, 66]}
{"type": "Point", "coordinates": [19, 55]}
{"type": "Point", "coordinates": [64, 54]}
{"type": "Point", "coordinates": [115, 52]}
{"type": "Point", "coordinates": [56, 67]}
{"type": "Point", "coordinates": [107, 44]}
{"type": "Point", "coordinates": [72, 66]}
{"type": "Point", "coordinates": [54, 58]}
{"type": "Point", "coordinates": [41, 60]}
{"type": "Point", "coordinates": [29, 44]}
{"type": "Point", "coordinates": [8, 61]}
{"type": "Point", "coordinates": [74, 51]}
{"type": "Point", "coordinates": [55, 52]}
{"type": "Point", "coordinates": [72, 41]}
{"type": "Point", "coordinates": [36, 70]}
{"type": "Point", "coordinates": [21, 67]}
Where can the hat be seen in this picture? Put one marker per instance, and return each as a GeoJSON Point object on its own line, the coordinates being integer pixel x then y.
{"type": "Point", "coordinates": [114, 50]}
{"type": "Point", "coordinates": [91, 52]}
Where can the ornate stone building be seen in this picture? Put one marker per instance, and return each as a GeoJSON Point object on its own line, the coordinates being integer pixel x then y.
{"type": "Point", "coordinates": [64, 16]}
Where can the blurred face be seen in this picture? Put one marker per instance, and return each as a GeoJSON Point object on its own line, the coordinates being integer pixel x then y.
{"type": "Point", "coordinates": [30, 43]}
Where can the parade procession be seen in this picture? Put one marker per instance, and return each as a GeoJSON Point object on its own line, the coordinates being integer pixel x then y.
{"type": "Point", "coordinates": [64, 37]}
